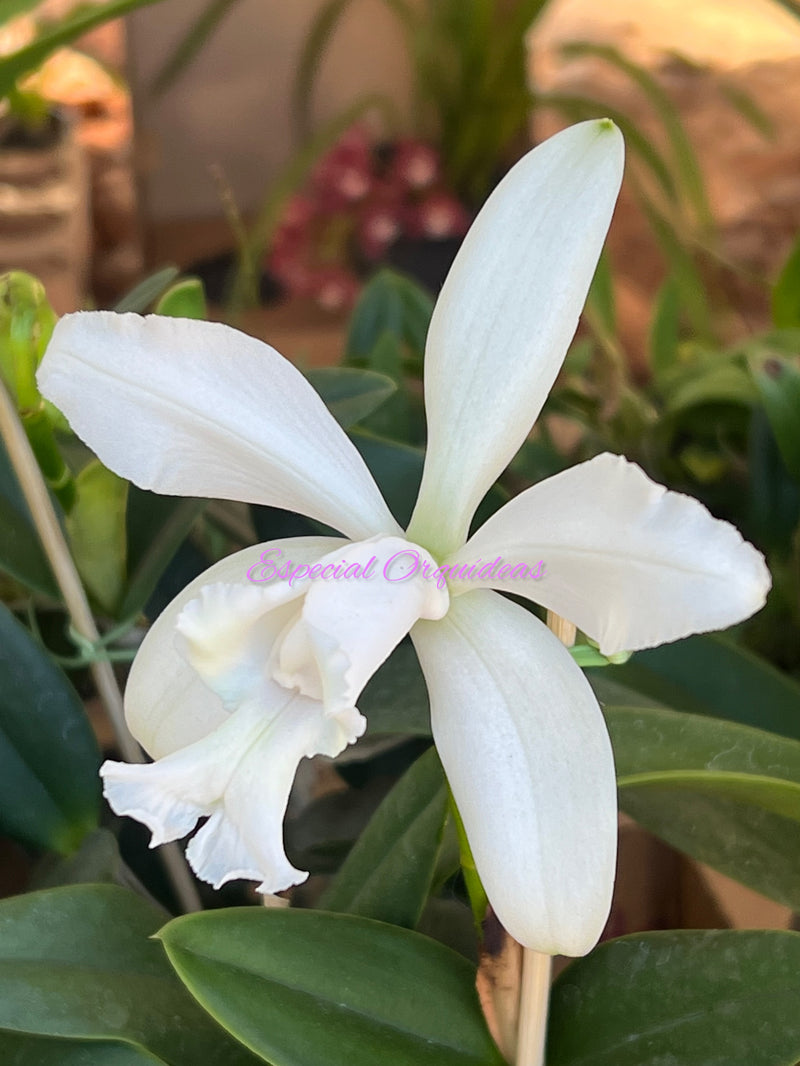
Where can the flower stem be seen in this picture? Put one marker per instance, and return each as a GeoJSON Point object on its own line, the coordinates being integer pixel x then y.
{"type": "Point", "coordinates": [55, 546]}
{"type": "Point", "coordinates": [536, 967]}
{"type": "Point", "coordinates": [533, 1001]}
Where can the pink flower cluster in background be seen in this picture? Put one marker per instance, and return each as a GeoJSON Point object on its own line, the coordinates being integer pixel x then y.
{"type": "Point", "coordinates": [359, 200]}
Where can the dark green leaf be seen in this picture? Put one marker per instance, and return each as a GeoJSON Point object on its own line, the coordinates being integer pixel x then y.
{"type": "Point", "coordinates": [722, 998]}
{"type": "Point", "coordinates": [21, 553]}
{"type": "Point", "coordinates": [786, 294]}
{"type": "Point", "coordinates": [397, 468]}
{"type": "Point", "coordinates": [22, 1050]}
{"type": "Point", "coordinates": [97, 861]}
{"type": "Point", "coordinates": [724, 793]}
{"type": "Point", "coordinates": [746, 842]}
{"type": "Point", "coordinates": [652, 744]}
{"type": "Point", "coordinates": [396, 698]}
{"type": "Point", "coordinates": [140, 298]}
{"type": "Point", "coordinates": [307, 988]}
{"type": "Point", "coordinates": [156, 527]}
{"type": "Point", "coordinates": [389, 872]}
{"type": "Point", "coordinates": [707, 674]}
{"type": "Point", "coordinates": [778, 384]}
{"type": "Point", "coordinates": [350, 394]}
{"type": "Point", "coordinates": [185, 299]}
{"type": "Point", "coordinates": [49, 788]}
{"type": "Point", "coordinates": [389, 304]}
{"type": "Point", "coordinates": [79, 962]}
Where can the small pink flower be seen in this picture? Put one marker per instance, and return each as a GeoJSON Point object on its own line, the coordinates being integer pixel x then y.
{"type": "Point", "coordinates": [439, 216]}
{"type": "Point", "coordinates": [380, 221]}
{"type": "Point", "coordinates": [344, 175]}
{"type": "Point", "coordinates": [334, 288]}
{"type": "Point", "coordinates": [415, 165]}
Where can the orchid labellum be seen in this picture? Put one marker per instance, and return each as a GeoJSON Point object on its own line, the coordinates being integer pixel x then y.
{"type": "Point", "coordinates": [236, 681]}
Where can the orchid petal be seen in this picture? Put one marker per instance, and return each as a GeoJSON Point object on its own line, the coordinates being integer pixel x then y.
{"type": "Point", "coordinates": [350, 625]}
{"type": "Point", "coordinates": [168, 703]}
{"type": "Point", "coordinates": [628, 562]}
{"type": "Point", "coordinates": [240, 776]}
{"type": "Point", "coordinates": [529, 762]}
{"type": "Point", "coordinates": [198, 409]}
{"type": "Point", "coordinates": [505, 317]}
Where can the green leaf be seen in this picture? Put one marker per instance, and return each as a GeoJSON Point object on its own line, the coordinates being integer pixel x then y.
{"type": "Point", "coordinates": [397, 468]}
{"type": "Point", "coordinates": [389, 304]}
{"type": "Point", "coordinates": [78, 962]}
{"type": "Point", "coordinates": [97, 535]}
{"type": "Point", "coordinates": [396, 697]}
{"type": "Point", "coordinates": [665, 329]}
{"type": "Point", "coordinates": [201, 28]}
{"type": "Point", "coordinates": [389, 872]}
{"type": "Point", "coordinates": [143, 295]}
{"type": "Point", "coordinates": [307, 988]}
{"type": "Point", "coordinates": [786, 293]}
{"type": "Point", "coordinates": [651, 744]}
{"type": "Point", "coordinates": [156, 527]}
{"type": "Point", "coordinates": [97, 861]}
{"type": "Point", "coordinates": [721, 998]}
{"type": "Point", "coordinates": [21, 1050]}
{"type": "Point", "coordinates": [601, 296]}
{"type": "Point", "coordinates": [350, 394]}
{"type": "Point", "coordinates": [727, 383]}
{"type": "Point", "coordinates": [185, 299]}
{"type": "Point", "coordinates": [21, 552]}
{"type": "Point", "coordinates": [57, 34]}
{"type": "Point", "coordinates": [778, 383]}
{"type": "Point", "coordinates": [724, 793]}
{"type": "Point", "coordinates": [49, 788]}
{"type": "Point", "coordinates": [707, 674]}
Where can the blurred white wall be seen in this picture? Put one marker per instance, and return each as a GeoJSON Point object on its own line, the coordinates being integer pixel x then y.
{"type": "Point", "coordinates": [231, 107]}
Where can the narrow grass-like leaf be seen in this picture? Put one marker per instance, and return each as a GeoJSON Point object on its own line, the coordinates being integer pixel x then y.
{"type": "Point", "coordinates": [201, 28]}
{"type": "Point", "coordinates": [140, 298]}
{"type": "Point", "coordinates": [82, 19]}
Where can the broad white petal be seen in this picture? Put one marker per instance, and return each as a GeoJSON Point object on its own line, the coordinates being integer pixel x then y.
{"type": "Point", "coordinates": [349, 625]}
{"type": "Point", "coordinates": [240, 776]}
{"type": "Point", "coordinates": [529, 762]}
{"type": "Point", "coordinates": [199, 409]}
{"type": "Point", "coordinates": [628, 562]}
{"type": "Point", "coordinates": [505, 317]}
{"type": "Point", "coordinates": [168, 705]}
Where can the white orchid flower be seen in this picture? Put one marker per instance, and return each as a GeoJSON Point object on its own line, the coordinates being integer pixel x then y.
{"type": "Point", "coordinates": [237, 681]}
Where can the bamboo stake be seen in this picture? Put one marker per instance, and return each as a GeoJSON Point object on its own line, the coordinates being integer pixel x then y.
{"type": "Point", "coordinates": [58, 554]}
{"type": "Point", "coordinates": [536, 967]}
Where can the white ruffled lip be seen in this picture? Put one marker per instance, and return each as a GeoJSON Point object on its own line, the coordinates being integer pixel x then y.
{"type": "Point", "coordinates": [223, 778]}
